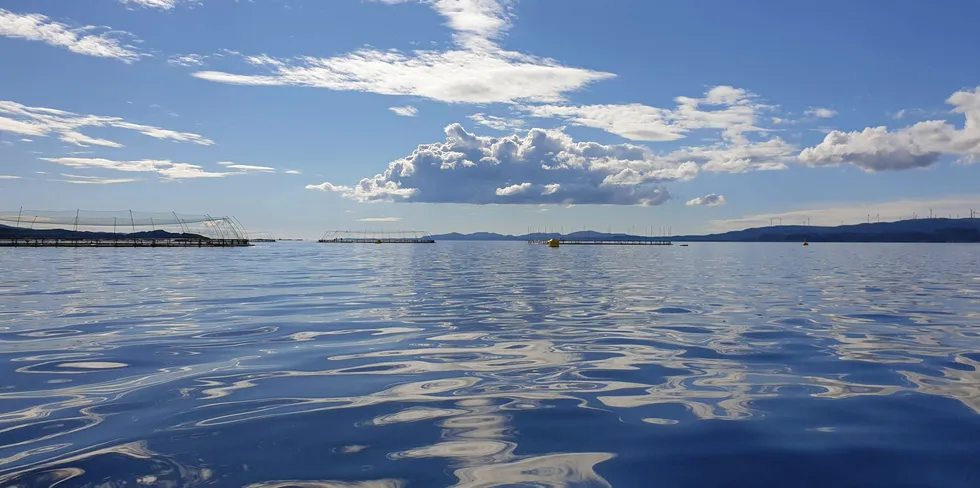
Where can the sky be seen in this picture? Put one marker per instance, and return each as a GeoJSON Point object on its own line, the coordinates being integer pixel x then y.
{"type": "Point", "coordinates": [299, 116]}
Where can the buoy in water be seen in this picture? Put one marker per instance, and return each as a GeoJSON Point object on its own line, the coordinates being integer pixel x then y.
{"type": "Point", "coordinates": [805, 243]}
{"type": "Point", "coordinates": [552, 242]}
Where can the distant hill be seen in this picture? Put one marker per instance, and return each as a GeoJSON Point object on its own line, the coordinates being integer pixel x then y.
{"type": "Point", "coordinates": [8, 232]}
{"type": "Point", "coordinates": [918, 230]}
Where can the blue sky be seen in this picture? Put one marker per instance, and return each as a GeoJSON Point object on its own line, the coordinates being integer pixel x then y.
{"type": "Point", "coordinates": [463, 115]}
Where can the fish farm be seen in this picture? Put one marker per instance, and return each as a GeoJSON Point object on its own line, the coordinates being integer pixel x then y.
{"type": "Point", "coordinates": [82, 228]}
{"type": "Point", "coordinates": [375, 237]}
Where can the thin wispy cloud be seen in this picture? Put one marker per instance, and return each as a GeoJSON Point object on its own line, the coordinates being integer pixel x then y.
{"type": "Point", "coordinates": [820, 113]}
{"type": "Point", "coordinates": [157, 4]}
{"type": "Point", "coordinates": [292, 172]}
{"type": "Point", "coordinates": [165, 168]}
{"type": "Point", "coordinates": [9, 177]}
{"type": "Point", "coordinates": [94, 180]}
{"type": "Point", "coordinates": [247, 168]}
{"type": "Point", "coordinates": [81, 40]}
{"type": "Point", "coordinates": [406, 111]}
{"type": "Point", "coordinates": [187, 60]}
{"type": "Point", "coordinates": [380, 219]}
{"type": "Point", "coordinates": [837, 213]}
{"type": "Point", "coordinates": [724, 108]}
{"type": "Point", "coordinates": [476, 71]}
{"type": "Point", "coordinates": [497, 123]}
{"type": "Point", "coordinates": [42, 121]}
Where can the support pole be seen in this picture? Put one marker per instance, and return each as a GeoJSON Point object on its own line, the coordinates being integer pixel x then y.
{"type": "Point", "coordinates": [18, 215]}
{"type": "Point", "coordinates": [132, 221]}
{"type": "Point", "coordinates": [76, 219]}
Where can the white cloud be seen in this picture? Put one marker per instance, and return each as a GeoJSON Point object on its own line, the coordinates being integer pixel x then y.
{"type": "Point", "coordinates": [837, 213]}
{"type": "Point", "coordinates": [83, 140]}
{"type": "Point", "coordinates": [159, 4]}
{"type": "Point", "coordinates": [42, 121]}
{"type": "Point", "coordinates": [26, 140]}
{"type": "Point", "coordinates": [94, 180]}
{"type": "Point", "coordinates": [380, 219]}
{"type": "Point", "coordinates": [81, 40]}
{"type": "Point", "coordinates": [739, 157]}
{"type": "Point", "coordinates": [498, 123]}
{"type": "Point", "coordinates": [725, 108]}
{"type": "Point", "coordinates": [917, 146]}
{"type": "Point", "coordinates": [9, 177]}
{"type": "Point", "coordinates": [820, 113]}
{"type": "Point", "coordinates": [187, 60]}
{"type": "Point", "coordinates": [247, 168]}
{"type": "Point", "coordinates": [406, 111]}
{"type": "Point", "coordinates": [476, 71]}
{"type": "Point", "coordinates": [545, 166]}
{"type": "Point", "coordinates": [165, 168]}
{"type": "Point", "coordinates": [516, 189]}
{"type": "Point", "coordinates": [292, 172]}
{"type": "Point", "coordinates": [325, 186]}
{"type": "Point", "coordinates": [901, 113]}
{"type": "Point", "coordinates": [709, 200]}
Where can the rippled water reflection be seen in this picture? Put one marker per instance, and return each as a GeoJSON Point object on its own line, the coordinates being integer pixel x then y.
{"type": "Point", "coordinates": [479, 365]}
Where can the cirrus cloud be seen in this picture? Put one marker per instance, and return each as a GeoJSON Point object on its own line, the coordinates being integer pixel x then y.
{"type": "Point", "coordinates": [80, 40]}
{"type": "Point", "coordinates": [477, 70]}
{"type": "Point", "coordinates": [43, 121]}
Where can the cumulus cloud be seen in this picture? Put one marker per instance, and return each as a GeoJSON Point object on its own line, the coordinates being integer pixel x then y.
{"type": "Point", "coordinates": [406, 111]}
{"type": "Point", "coordinates": [247, 168]}
{"type": "Point", "coordinates": [477, 70]}
{"type": "Point", "coordinates": [165, 168]}
{"type": "Point", "coordinates": [80, 40]}
{"type": "Point", "coordinates": [497, 123]}
{"type": "Point", "coordinates": [541, 167]}
{"type": "Point", "coordinates": [709, 200]}
{"type": "Point", "coordinates": [917, 146]}
{"type": "Point", "coordinates": [725, 108]}
{"type": "Point", "coordinates": [42, 121]}
{"type": "Point", "coordinates": [326, 186]}
{"type": "Point", "coordinates": [820, 113]}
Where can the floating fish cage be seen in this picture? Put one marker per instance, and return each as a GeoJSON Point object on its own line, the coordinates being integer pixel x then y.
{"type": "Point", "coordinates": [82, 228]}
{"type": "Point", "coordinates": [262, 237]}
{"type": "Point", "coordinates": [376, 237]}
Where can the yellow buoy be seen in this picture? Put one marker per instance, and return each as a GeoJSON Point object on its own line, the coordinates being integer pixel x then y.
{"type": "Point", "coordinates": [553, 243]}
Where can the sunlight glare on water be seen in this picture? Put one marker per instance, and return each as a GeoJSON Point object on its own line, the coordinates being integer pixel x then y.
{"type": "Point", "coordinates": [491, 364]}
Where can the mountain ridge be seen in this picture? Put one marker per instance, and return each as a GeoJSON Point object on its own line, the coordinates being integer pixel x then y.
{"type": "Point", "coordinates": [914, 230]}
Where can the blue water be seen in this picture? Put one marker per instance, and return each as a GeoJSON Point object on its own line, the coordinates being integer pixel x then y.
{"type": "Point", "coordinates": [491, 364]}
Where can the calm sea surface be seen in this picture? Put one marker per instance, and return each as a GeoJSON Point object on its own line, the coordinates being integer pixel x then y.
{"type": "Point", "coordinates": [491, 364]}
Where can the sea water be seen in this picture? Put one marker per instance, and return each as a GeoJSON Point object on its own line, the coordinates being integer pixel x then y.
{"type": "Point", "coordinates": [491, 364]}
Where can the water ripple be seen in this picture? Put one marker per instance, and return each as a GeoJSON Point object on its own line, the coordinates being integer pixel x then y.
{"type": "Point", "coordinates": [480, 365]}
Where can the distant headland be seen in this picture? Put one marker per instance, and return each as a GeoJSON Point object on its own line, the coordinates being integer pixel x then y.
{"type": "Point", "coordinates": [915, 230]}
